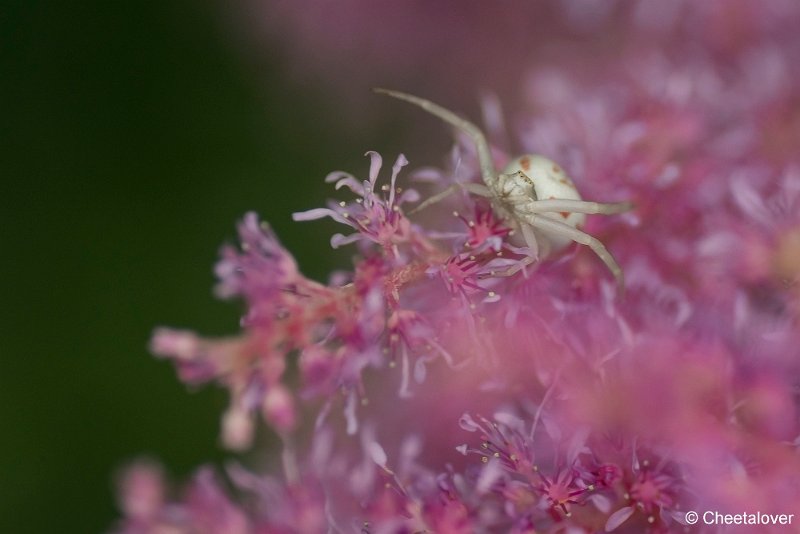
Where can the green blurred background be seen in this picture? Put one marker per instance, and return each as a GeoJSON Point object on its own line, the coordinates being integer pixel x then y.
{"type": "Point", "coordinates": [134, 136]}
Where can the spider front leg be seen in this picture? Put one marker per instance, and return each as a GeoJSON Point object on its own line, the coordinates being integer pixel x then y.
{"type": "Point", "coordinates": [476, 189]}
{"type": "Point", "coordinates": [559, 205]}
{"type": "Point", "coordinates": [565, 230]}
{"type": "Point", "coordinates": [488, 172]}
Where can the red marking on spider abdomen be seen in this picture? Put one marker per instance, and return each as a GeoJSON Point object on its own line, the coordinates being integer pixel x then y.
{"type": "Point", "coordinates": [525, 163]}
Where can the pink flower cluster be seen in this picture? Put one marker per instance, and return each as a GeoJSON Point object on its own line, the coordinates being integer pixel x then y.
{"type": "Point", "coordinates": [426, 390]}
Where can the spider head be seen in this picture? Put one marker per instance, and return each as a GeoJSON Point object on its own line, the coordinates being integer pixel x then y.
{"type": "Point", "coordinates": [518, 185]}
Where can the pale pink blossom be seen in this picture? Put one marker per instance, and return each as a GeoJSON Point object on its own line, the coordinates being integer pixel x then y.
{"type": "Point", "coordinates": [453, 381]}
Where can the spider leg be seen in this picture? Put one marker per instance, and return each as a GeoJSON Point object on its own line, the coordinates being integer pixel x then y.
{"type": "Point", "coordinates": [576, 206]}
{"type": "Point", "coordinates": [530, 240]}
{"type": "Point", "coordinates": [533, 244]}
{"type": "Point", "coordinates": [488, 172]}
{"type": "Point", "coordinates": [563, 229]}
{"type": "Point", "coordinates": [476, 189]}
{"type": "Point", "coordinates": [438, 197]}
{"type": "Point", "coordinates": [511, 271]}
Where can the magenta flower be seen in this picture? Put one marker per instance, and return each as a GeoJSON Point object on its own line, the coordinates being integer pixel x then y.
{"type": "Point", "coordinates": [600, 413]}
{"type": "Point", "coordinates": [203, 507]}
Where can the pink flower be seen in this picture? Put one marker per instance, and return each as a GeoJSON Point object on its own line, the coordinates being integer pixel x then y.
{"type": "Point", "coordinates": [203, 507]}
{"type": "Point", "coordinates": [602, 413]}
{"type": "Point", "coordinates": [375, 218]}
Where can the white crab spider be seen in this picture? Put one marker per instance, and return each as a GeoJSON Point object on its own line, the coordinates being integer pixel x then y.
{"type": "Point", "coordinates": [533, 195]}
